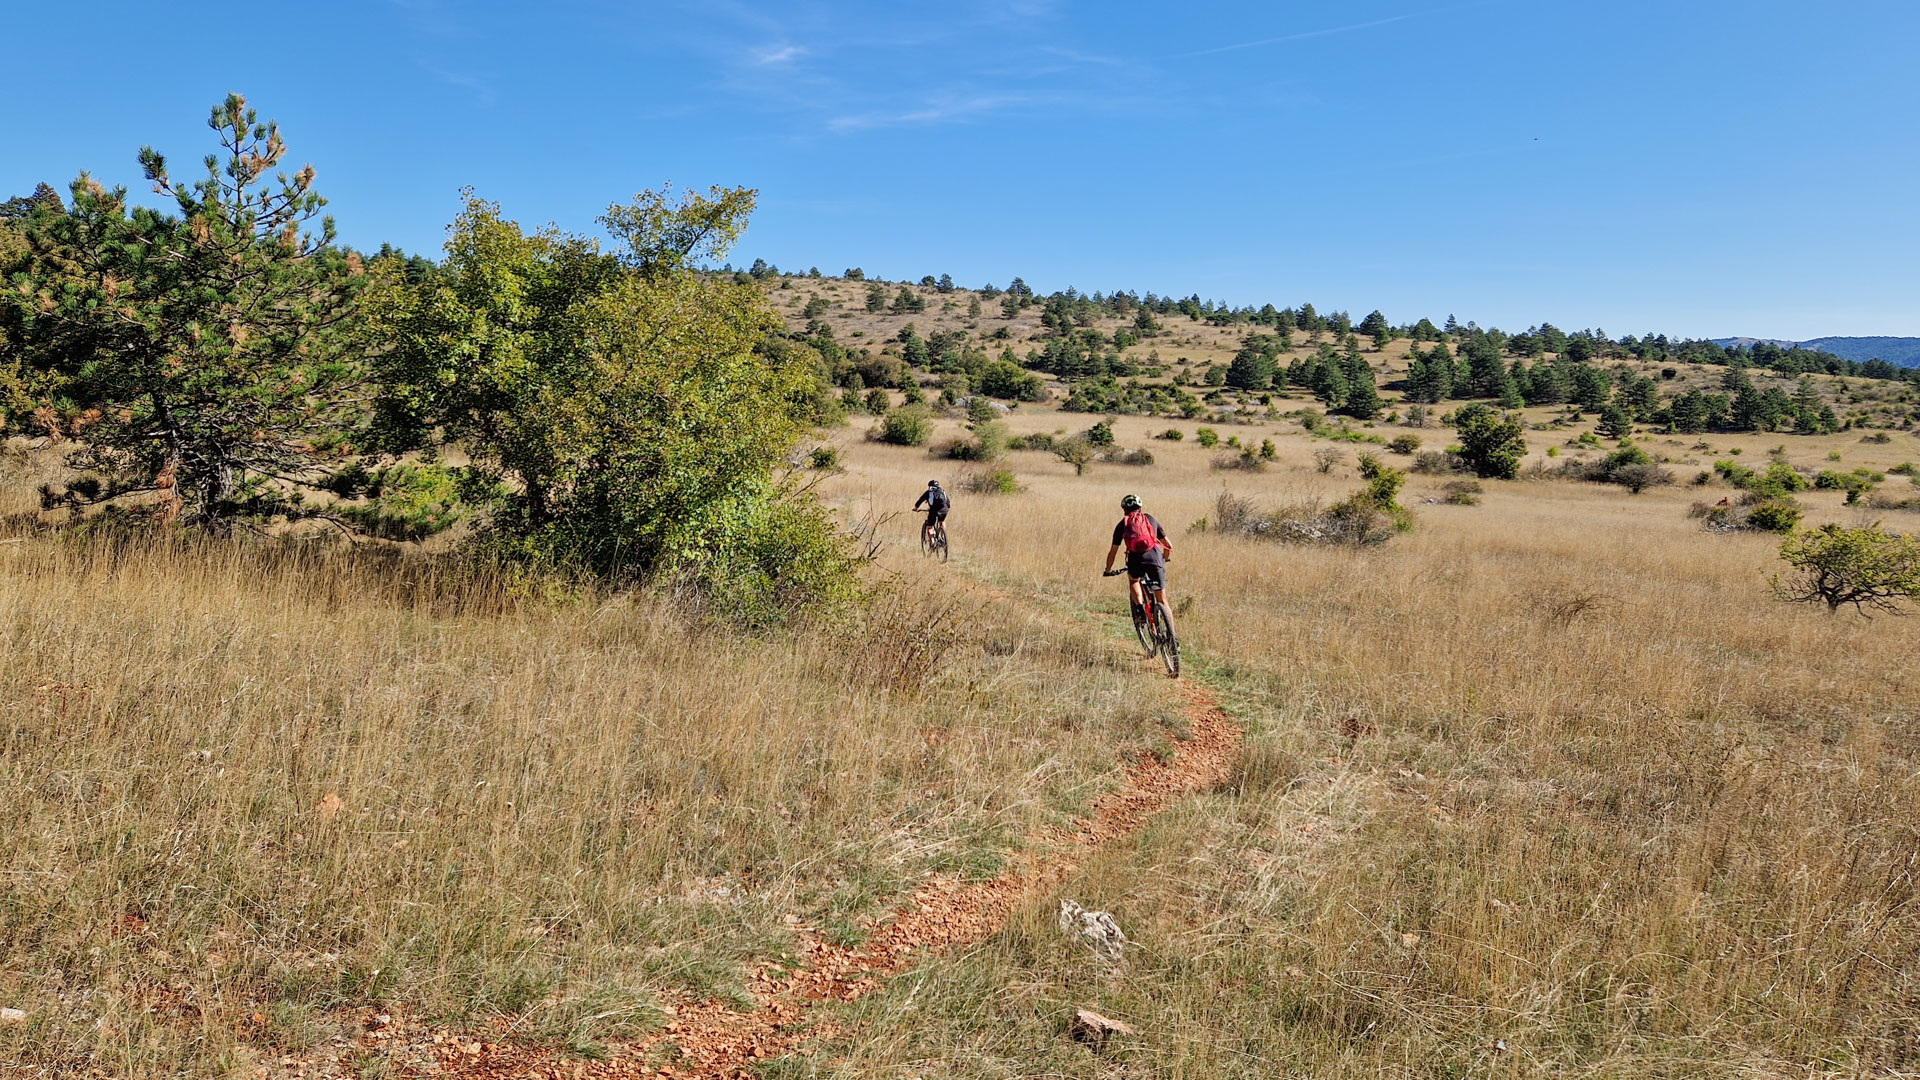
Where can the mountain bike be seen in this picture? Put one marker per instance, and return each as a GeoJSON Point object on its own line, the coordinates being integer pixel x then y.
{"type": "Point", "coordinates": [1153, 624]}
{"type": "Point", "coordinates": [934, 541]}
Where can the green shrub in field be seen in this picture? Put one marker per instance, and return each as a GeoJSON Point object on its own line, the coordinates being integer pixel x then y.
{"type": "Point", "coordinates": [1404, 444]}
{"type": "Point", "coordinates": [1207, 437]}
{"type": "Point", "coordinates": [409, 502]}
{"type": "Point", "coordinates": [1491, 443]}
{"type": "Point", "coordinates": [1752, 513]}
{"type": "Point", "coordinates": [1462, 492]}
{"type": "Point", "coordinates": [1119, 456]}
{"type": "Point", "coordinates": [989, 443]}
{"type": "Point", "coordinates": [824, 457]}
{"type": "Point", "coordinates": [1865, 566]}
{"type": "Point", "coordinates": [1856, 483]}
{"type": "Point", "coordinates": [1171, 435]}
{"type": "Point", "coordinates": [996, 481]}
{"type": "Point", "coordinates": [1267, 451]}
{"type": "Point", "coordinates": [980, 410]}
{"type": "Point", "coordinates": [1005, 379]}
{"type": "Point", "coordinates": [1245, 460]}
{"type": "Point", "coordinates": [1440, 463]}
{"type": "Point", "coordinates": [1077, 452]}
{"type": "Point", "coordinates": [908, 425]}
{"type": "Point", "coordinates": [1101, 434]}
{"type": "Point", "coordinates": [1039, 440]}
{"type": "Point", "coordinates": [876, 402]}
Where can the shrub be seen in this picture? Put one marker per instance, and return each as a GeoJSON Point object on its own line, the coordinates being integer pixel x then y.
{"type": "Point", "coordinates": [410, 502]}
{"type": "Point", "coordinates": [1207, 437]}
{"type": "Point", "coordinates": [996, 481]}
{"type": "Point", "coordinates": [1267, 452]}
{"type": "Point", "coordinates": [1245, 460]}
{"type": "Point", "coordinates": [824, 457]}
{"type": "Point", "coordinates": [1367, 517]}
{"type": "Point", "coordinates": [1865, 566]}
{"type": "Point", "coordinates": [1856, 483]}
{"type": "Point", "coordinates": [1438, 463]}
{"type": "Point", "coordinates": [1172, 434]}
{"type": "Point", "coordinates": [980, 410]}
{"type": "Point", "coordinates": [1637, 478]}
{"type": "Point", "coordinates": [1877, 437]}
{"type": "Point", "coordinates": [1491, 444]}
{"type": "Point", "coordinates": [909, 425]}
{"type": "Point", "coordinates": [1037, 441]}
{"type": "Point", "coordinates": [1325, 458]}
{"type": "Point", "coordinates": [1077, 452]}
{"type": "Point", "coordinates": [1462, 492]}
{"type": "Point", "coordinates": [1100, 434]}
{"type": "Point", "coordinates": [1118, 456]}
{"type": "Point", "coordinates": [877, 402]}
{"type": "Point", "coordinates": [1404, 444]}
{"type": "Point", "coordinates": [1005, 379]}
{"type": "Point", "coordinates": [1753, 513]}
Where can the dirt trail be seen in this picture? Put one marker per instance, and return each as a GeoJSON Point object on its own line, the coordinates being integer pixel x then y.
{"type": "Point", "coordinates": [715, 1040]}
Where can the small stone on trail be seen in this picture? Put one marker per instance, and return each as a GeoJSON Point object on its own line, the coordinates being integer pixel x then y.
{"type": "Point", "coordinates": [1091, 1027]}
{"type": "Point", "coordinates": [1097, 927]}
{"type": "Point", "coordinates": [13, 1016]}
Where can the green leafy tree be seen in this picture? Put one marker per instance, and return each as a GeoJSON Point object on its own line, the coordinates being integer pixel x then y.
{"type": "Point", "coordinates": [1865, 566]}
{"type": "Point", "coordinates": [623, 401]}
{"type": "Point", "coordinates": [1491, 443]}
{"type": "Point", "coordinates": [205, 358]}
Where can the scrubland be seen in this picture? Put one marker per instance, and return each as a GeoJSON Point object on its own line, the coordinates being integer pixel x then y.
{"type": "Point", "coordinates": [1549, 786]}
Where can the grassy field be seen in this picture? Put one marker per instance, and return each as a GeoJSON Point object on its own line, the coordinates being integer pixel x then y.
{"type": "Point", "coordinates": [1549, 786]}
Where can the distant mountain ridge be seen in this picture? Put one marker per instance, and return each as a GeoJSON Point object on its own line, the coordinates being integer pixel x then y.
{"type": "Point", "coordinates": [1900, 351]}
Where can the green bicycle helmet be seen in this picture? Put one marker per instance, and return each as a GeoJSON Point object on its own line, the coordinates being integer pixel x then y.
{"type": "Point", "coordinates": [1129, 503]}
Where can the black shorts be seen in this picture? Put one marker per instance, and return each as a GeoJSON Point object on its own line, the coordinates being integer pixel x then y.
{"type": "Point", "coordinates": [936, 517]}
{"type": "Point", "coordinates": [1154, 573]}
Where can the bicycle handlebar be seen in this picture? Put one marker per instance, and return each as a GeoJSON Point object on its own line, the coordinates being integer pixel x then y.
{"type": "Point", "coordinates": [1112, 573]}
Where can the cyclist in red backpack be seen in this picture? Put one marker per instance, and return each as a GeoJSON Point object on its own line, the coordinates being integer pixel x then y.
{"type": "Point", "coordinates": [1146, 546]}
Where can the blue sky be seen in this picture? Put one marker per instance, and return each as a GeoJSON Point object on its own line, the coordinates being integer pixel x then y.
{"type": "Point", "coordinates": [1695, 167]}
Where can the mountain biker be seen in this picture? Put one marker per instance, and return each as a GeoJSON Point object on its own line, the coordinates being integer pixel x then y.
{"type": "Point", "coordinates": [1147, 550]}
{"type": "Point", "coordinates": [936, 501]}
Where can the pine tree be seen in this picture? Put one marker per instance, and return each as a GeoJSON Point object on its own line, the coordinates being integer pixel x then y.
{"type": "Point", "coordinates": [207, 356]}
{"type": "Point", "coordinates": [1363, 397]}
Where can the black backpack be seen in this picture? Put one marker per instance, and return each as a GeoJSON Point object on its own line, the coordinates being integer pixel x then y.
{"type": "Point", "coordinates": [937, 499]}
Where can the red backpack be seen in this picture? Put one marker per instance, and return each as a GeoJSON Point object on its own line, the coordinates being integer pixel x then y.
{"type": "Point", "coordinates": [1138, 533]}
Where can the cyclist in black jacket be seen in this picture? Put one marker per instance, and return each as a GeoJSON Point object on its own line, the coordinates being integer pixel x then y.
{"type": "Point", "coordinates": [936, 501]}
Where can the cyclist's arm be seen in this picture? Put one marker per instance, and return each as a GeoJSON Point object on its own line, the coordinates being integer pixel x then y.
{"type": "Point", "coordinates": [1165, 544]}
{"type": "Point", "coordinates": [917, 503]}
{"type": "Point", "coordinates": [1112, 553]}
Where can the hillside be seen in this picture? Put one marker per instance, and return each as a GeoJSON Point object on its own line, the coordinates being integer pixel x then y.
{"type": "Point", "coordinates": [1901, 351]}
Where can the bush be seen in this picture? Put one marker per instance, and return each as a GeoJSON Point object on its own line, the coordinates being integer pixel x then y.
{"type": "Point", "coordinates": [1404, 444]}
{"type": "Point", "coordinates": [1207, 437]}
{"type": "Point", "coordinates": [980, 410]}
{"type": "Point", "coordinates": [1753, 513]}
{"type": "Point", "coordinates": [1077, 452]}
{"type": "Point", "coordinates": [1856, 483]}
{"type": "Point", "coordinates": [1367, 517]}
{"type": "Point", "coordinates": [1637, 478]}
{"type": "Point", "coordinates": [995, 481]}
{"type": "Point", "coordinates": [1037, 441]}
{"type": "Point", "coordinates": [1245, 460]}
{"type": "Point", "coordinates": [909, 425]}
{"type": "Point", "coordinates": [1491, 444]}
{"type": "Point", "coordinates": [409, 502]}
{"type": "Point", "coordinates": [1005, 379]}
{"type": "Point", "coordinates": [824, 457]}
{"type": "Point", "coordinates": [1438, 463]}
{"type": "Point", "coordinates": [1119, 456]}
{"type": "Point", "coordinates": [1865, 566]}
{"type": "Point", "coordinates": [1267, 452]}
{"type": "Point", "coordinates": [877, 402]}
{"type": "Point", "coordinates": [1462, 492]}
{"type": "Point", "coordinates": [1100, 434]}
{"type": "Point", "coordinates": [1171, 435]}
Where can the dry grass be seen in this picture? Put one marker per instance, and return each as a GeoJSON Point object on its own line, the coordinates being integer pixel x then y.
{"type": "Point", "coordinates": [1552, 774]}
{"type": "Point", "coordinates": [249, 786]}
{"type": "Point", "coordinates": [1547, 787]}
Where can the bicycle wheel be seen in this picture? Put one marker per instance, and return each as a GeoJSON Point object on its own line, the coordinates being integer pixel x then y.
{"type": "Point", "coordinates": [940, 541]}
{"type": "Point", "coordinates": [1169, 642]}
{"type": "Point", "coordinates": [926, 542]}
{"type": "Point", "coordinates": [1142, 629]}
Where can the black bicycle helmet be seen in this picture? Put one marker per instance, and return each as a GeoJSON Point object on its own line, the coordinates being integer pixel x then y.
{"type": "Point", "coordinates": [933, 483]}
{"type": "Point", "coordinates": [1129, 503]}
